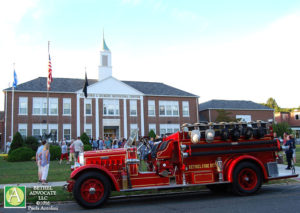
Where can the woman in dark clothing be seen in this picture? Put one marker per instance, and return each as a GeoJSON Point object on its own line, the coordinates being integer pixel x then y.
{"type": "Point", "coordinates": [289, 152]}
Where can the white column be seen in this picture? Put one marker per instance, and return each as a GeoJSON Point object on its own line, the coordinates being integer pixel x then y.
{"type": "Point", "coordinates": [125, 118]}
{"type": "Point", "coordinates": [5, 125]}
{"type": "Point", "coordinates": [97, 118]}
{"type": "Point", "coordinates": [12, 113]}
{"type": "Point", "coordinates": [78, 115]}
{"type": "Point", "coordinates": [142, 116]}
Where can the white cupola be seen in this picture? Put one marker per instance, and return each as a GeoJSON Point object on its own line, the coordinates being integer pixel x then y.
{"type": "Point", "coordinates": [105, 69]}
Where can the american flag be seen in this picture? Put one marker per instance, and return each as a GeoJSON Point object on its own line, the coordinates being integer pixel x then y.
{"type": "Point", "coordinates": [49, 79]}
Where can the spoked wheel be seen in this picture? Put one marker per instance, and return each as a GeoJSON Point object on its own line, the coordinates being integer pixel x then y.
{"type": "Point", "coordinates": [247, 179]}
{"type": "Point", "coordinates": [91, 189]}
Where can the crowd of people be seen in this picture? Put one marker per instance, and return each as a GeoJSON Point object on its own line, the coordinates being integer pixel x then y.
{"type": "Point", "coordinates": [107, 143]}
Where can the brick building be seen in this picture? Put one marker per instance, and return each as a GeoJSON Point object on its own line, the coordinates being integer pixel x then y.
{"type": "Point", "coordinates": [246, 110]}
{"type": "Point", "coordinates": [112, 108]}
{"type": "Point", "coordinates": [292, 118]}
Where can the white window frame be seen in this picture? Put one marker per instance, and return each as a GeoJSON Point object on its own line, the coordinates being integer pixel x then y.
{"type": "Point", "coordinates": [168, 128]}
{"type": "Point", "coordinates": [133, 107]}
{"type": "Point", "coordinates": [41, 127]}
{"type": "Point", "coordinates": [67, 127]}
{"type": "Point", "coordinates": [88, 127]}
{"type": "Point", "coordinates": [67, 101]}
{"type": "Point", "coordinates": [134, 127]}
{"type": "Point", "coordinates": [41, 104]}
{"type": "Point", "coordinates": [168, 109]}
{"type": "Point", "coordinates": [53, 102]}
{"type": "Point", "coordinates": [111, 105]}
{"type": "Point", "coordinates": [22, 127]}
{"type": "Point", "coordinates": [185, 109]}
{"type": "Point", "coordinates": [151, 103]}
{"type": "Point", "coordinates": [152, 126]}
{"type": "Point", "coordinates": [86, 102]}
{"type": "Point", "coordinates": [23, 100]}
{"type": "Point", "coordinates": [246, 118]}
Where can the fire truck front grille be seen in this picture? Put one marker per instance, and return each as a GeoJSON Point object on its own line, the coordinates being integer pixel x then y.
{"type": "Point", "coordinates": [272, 169]}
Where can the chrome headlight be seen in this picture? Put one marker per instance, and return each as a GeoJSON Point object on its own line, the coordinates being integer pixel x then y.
{"type": "Point", "coordinates": [81, 158]}
{"type": "Point", "coordinates": [195, 136]}
{"type": "Point", "coordinates": [209, 135]}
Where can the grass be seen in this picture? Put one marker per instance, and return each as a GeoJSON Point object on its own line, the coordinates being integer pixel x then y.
{"type": "Point", "coordinates": [26, 172]}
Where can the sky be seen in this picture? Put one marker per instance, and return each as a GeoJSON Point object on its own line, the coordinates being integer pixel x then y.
{"type": "Point", "coordinates": [218, 49]}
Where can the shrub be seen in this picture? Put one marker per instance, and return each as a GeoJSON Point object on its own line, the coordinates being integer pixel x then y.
{"type": "Point", "coordinates": [87, 147]}
{"type": "Point", "coordinates": [152, 134]}
{"type": "Point", "coordinates": [55, 152]}
{"type": "Point", "coordinates": [32, 142]}
{"type": "Point", "coordinates": [21, 154]}
{"type": "Point", "coordinates": [85, 139]}
{"type": "Point", "coordinates": [17, 142]}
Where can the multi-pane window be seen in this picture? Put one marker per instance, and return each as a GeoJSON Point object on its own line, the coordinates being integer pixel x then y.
{"type": "Point", "coordinates": [88, 130]}
{"type": "Point", "coordinates": [53, 106]}
{"type": "Point", "coordinates": [39, 106]}
{"type": "Point", "coordinates": [152, 127]}
{"type": "Point", "coordinates": [168, 108]}
{"type": "Point", "coordinates": [169, 128]}
{"type": "Point", "coordinates": [133, 108]}
{"type": "Point", "coordinates": [67, 131]}
{"type": "Point", "coordinates": [111, 107]}
{"type": "Point", "coordinates": [133, 128]}
{"type": "Point", "coordinates": [23, 129]}
{"type": "Point", "coordinates": [88, 106]}
{"type": "Point", "coordinates": [67, 106]}
{"type": "Point", "coordinates": [185, 109]}
{"type": "Point", "coordinates": [23, 105]}
{"type": "Point", "coordinates": [151, 108]}
{"type": "Point", "coordinates": [39, 129]}
{"type": "Point", "coordinates": [53, 128]}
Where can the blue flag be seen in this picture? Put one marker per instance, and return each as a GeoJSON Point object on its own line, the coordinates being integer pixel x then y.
{"type": "Point", "coordinates": [15, 79]}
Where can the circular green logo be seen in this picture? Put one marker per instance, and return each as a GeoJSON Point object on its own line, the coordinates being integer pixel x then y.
{"type": "Point", "coordinates": [14, 196]}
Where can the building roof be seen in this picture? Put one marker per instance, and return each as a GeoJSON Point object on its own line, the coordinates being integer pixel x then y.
{"type": "Point", "coordinates": [105, 47]}
{"type": "Point", "coordinates": [232, 105]}
{"type": "Point", "coordinates": [71, 85]}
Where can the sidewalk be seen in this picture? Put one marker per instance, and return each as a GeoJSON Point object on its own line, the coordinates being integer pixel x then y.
{"type": "Point", "coordinates": [281, 168]}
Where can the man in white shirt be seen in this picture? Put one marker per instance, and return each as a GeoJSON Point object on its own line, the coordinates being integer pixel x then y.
{"type": "Point", "coordinates": [78, 147]}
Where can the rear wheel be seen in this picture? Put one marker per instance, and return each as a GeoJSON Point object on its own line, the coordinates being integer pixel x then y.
{"type": "Point", "coordinates": [247, 179]}
{"type": "Point", "coordinates": [91, 189]}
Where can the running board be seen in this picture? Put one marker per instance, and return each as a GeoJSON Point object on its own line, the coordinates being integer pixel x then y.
{"type": "Point", "coordinates": [172, 186]}
{"type": "Point", "coordinates": [282, 177]}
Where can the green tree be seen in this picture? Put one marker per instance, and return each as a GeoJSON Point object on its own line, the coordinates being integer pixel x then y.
{"type": "Point", "coordinates": [17, 142]}
{"type": "Point", "coordinates": [281, 128]}
{"type": "Point", "coordinates": [271, 102]}
{"type": "Point", "coordinates": [32, 142]}
{"type": "Point", "coordinates": [152, 134]}
{"type": "Point", "coordinates": [85, 139]}
{"type": "Point", "coordinates": [224, 116]}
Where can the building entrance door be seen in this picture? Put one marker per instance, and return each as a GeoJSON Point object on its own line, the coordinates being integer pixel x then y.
{"type": "Point", "coordinates": [111, 131]}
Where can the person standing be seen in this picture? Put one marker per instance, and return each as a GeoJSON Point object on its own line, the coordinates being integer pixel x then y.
{"type": "Point", "coordinates": [64, 152]}
{"type": "Point", "coordinates": [293, 144]}
{"type": "Point", "coordinates": [45, 162]}
{"type": "Point", "coordinates": [78, 147]}
{"type": "Point", "coordinates": [107, 143]}
{"type": "Point", "coordinates": [289, 152]}
{"type": "Point", "coordinates": [38, 161]}
{"type": "Point", "coordinates": [8, 144]}
{"type": "Point", "coordinates": [94, 144]}
{"type": "Point", "coordinates": [72, 152]}
{"type": "Point", "coordinates": [100, 142]}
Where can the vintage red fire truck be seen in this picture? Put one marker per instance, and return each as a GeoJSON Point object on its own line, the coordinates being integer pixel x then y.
{"type": "Point", "coordinates": [239, 156]}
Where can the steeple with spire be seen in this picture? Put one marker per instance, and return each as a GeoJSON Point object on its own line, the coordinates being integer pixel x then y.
{"type": "Point", "coordinates": [105, 69]}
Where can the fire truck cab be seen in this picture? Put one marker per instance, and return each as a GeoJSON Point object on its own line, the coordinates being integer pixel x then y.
{"type": "Point", "coordinates": [238, 156]}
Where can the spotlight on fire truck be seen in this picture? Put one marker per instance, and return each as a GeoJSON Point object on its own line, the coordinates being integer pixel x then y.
{"type": "Point", "coordinates": [195, 136]}
{"type": "Point", "coordinates": [209, 135]}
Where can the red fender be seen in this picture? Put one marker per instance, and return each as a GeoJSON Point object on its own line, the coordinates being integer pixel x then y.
{"type": "Point", "coordinates": [235, 161]}
{"type": "Point", "coordinates": [97, 167]}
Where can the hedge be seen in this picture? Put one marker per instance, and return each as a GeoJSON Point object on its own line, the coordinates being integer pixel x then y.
{"type": "Point", "coordinates": [55, 152]}
{"type": "Point", "coordinates": [21, 154]}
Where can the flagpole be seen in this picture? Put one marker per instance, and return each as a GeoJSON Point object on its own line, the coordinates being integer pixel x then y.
{"type": "Point", "coordinates": [84, 110]}
{"type": "Point", "coordinates": [12, 109]}
{"type": "Point", "coordinates": [48, 93]}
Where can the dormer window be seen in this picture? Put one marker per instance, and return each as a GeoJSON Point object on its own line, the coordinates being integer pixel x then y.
{"type": "Point", "coordinates": [104, 60]}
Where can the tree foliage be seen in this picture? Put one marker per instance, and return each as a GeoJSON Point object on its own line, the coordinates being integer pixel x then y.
{"type": "Point", "coordinates": [152, 134]}
{"type": "Point", "coordinates": [281, 128]}
{"type": "Point", "coordinates": [32, 142]}
{"type": "Point", "coordinates": [85, 139]}
{"type": "Point", "coordinates": [17, 142]}
{"type": "Point", "coordinates": [224, 116]}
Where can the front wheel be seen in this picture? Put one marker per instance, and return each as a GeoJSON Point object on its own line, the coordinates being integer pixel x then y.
{"type": "Point", "coordinates": [91, 189]}
{"type": "Point", "coordinates": [247, 179]}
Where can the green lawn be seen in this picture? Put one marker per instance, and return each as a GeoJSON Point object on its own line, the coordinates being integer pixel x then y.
{"type": "Point", "coordinates": [26, 172]}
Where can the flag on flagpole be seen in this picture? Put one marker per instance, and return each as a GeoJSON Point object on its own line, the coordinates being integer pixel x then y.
{"type": "Point", "coordinates": [15, 83]}
{"type": "Point", "coordinates": [49, 79]}
{"type": "Point", "coordinates": [86, 83]}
